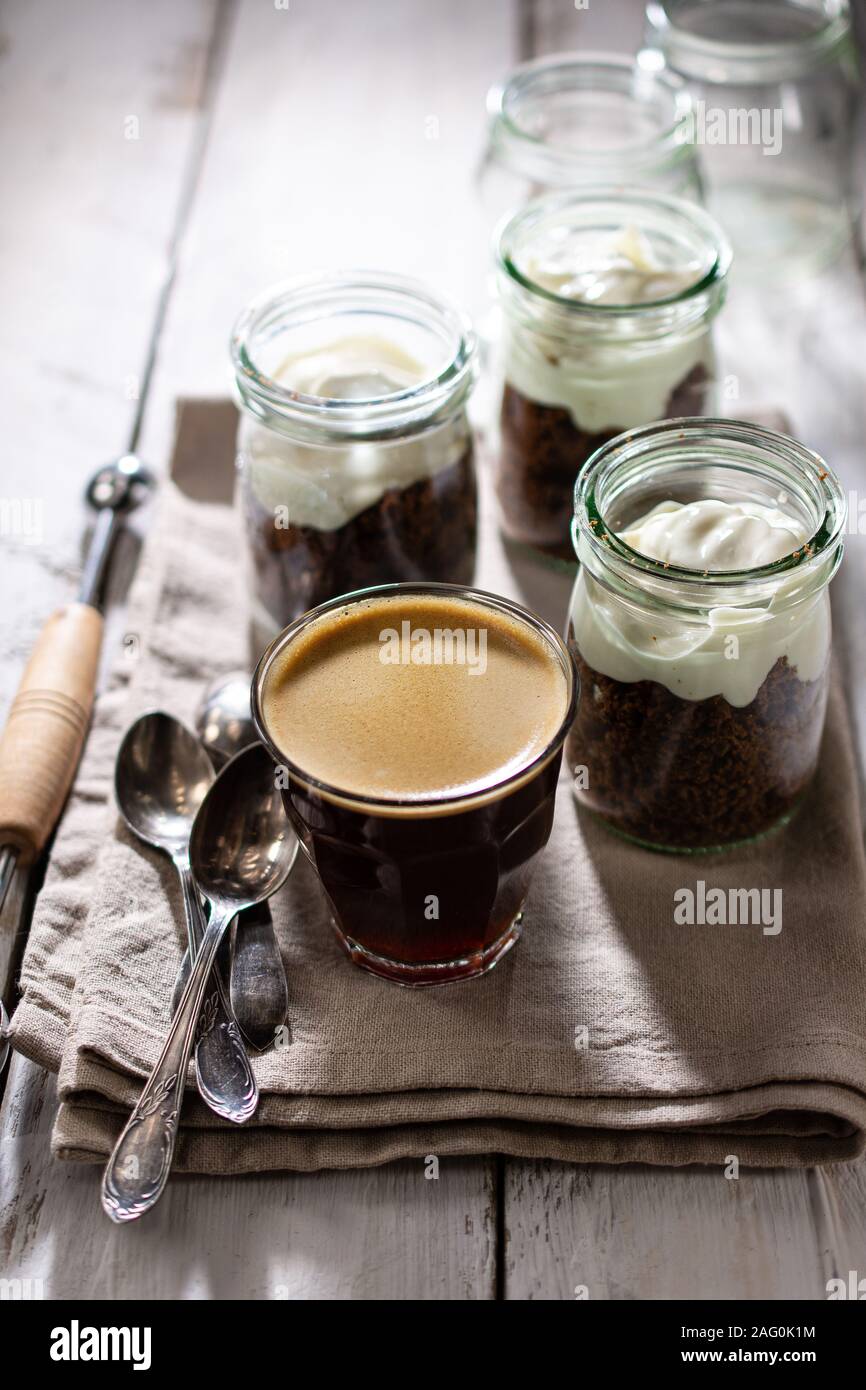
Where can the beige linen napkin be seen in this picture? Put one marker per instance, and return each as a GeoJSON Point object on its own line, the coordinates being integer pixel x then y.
{"type": "Point", "coordinates": [609, 1034]}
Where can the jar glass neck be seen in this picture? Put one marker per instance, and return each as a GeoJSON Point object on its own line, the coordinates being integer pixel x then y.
{"type": "Point", "coordinates": [316, 315]}
{"type": "Point", "coordinates": [574, 117]}
{"type": "Point", "coordinates": [592, 221]}
{"type": "Point", "coordinates": [726, 460]}
{"type": "Point", "coordinates": [638, 324]}
{"type": "Point", "coordinates": [729, 42]}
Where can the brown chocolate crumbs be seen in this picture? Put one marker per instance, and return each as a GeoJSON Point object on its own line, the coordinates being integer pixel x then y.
{"type": "Point", "coordinates": [542, 452]}
{"type": "Point", "coordinates": [689, 774]}
{"type": "Point", "coordinates": [426, 531]}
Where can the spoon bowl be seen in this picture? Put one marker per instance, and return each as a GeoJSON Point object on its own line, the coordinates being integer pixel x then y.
{"type": "Point", "coordinates": [242, 847]}
{"type": "Point", "coordinates": [258, 989]}
{"type": "Point", "coordinates": [160, 779]}
{"type": "Point", "coordinates": [223, 720]}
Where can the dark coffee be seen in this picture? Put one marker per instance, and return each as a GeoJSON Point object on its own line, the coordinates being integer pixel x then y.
{"type": "Point", "coordinates": [421, 729]}
{"type": "Point", "coordinates": [426, 901]}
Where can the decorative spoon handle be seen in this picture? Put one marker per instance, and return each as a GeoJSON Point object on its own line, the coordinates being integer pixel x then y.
{"type": "Point", "coordinates": [222, 1067]}
{"type": "Point", "coordinates": [138, 1169]}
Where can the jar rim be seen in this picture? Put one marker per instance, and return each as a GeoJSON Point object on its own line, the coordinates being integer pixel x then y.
{"type": "Point", "coordinates": [663, 442]}
{"type": "Point", "coordinates": [595, 71]}
{"type": "Point", "coordinates": [317, 296]}
{"type": "Point", "coordinates": [599, 197]}
{"type": "Point", "coordinates": [434, 805]}
{"type": "Point", "coordinates": [701, 57]}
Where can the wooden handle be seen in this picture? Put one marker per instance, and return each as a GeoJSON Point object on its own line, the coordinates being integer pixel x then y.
{"type": "Point", "coordinates": [47, 723]}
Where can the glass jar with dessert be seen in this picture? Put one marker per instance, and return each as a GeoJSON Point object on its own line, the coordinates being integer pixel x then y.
{"type": "Point", "coordinates": [700, 626]}
{"type": "Point", "coordinates": [355, 454]}
{"type": "Point", "coordinates": [574, 118]}
{"type": "Point", "coordinates": [608, 301]}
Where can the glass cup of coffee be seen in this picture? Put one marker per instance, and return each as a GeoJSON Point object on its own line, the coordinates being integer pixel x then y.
{"type": "Point", "coordinates": [418, 731]}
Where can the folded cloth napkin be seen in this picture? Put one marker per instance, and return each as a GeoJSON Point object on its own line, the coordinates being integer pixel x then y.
{"type": "Point", "coordinates": [610, 1034]}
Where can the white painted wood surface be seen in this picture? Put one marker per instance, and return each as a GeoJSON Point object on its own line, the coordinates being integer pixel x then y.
{"type": "Point", "coordinates": [275, 194]}
{"type": "Point", "coordinates": [637, 1233]}
{"type": "Point", "coordinates": [381, 1233]}
{"type": "Point", "coordinates": [633, 1233]}
{"type": "Point", "coordinates": [88, 220]}
{"type": "Point", "coordinates": [336, 134]}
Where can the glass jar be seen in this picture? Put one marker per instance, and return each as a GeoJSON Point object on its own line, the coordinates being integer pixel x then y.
{"type": "Point", "coordinates": [775, 85]}
{"type": "Point", "coordinates": [703, 692]}
{"type": "Point", "coordinates": [355, 455]}
{"type": "Point", "coordinates": [577, 373]}
{"type": "Point", "coordinates": [577, 119]}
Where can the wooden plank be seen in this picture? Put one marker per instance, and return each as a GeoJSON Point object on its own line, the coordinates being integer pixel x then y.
{"type": "Point", "coordinates": [98, 108]}
{"type": "Point", "coordinates": [98, 116]}
{"type": "Point", "coordinates": [362, 154]}
{"type": "Point", "coordinates": [344, 136]}
{"type": "Point", "coordinates": [381, 1233]}
{"type": "Point", "coordinates": [653, 1233]}
{"type": "Point", "coordinates": [642, 1233]}
{"type": "Point", "coordinates": [562, 26]}
{"type": "Point", "coordinates": [339, 136]}
{"type": "Point", "coordinates": [843, 1198]}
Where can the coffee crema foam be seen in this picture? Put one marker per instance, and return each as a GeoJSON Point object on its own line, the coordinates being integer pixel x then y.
{"type": "Point", "coordinates": [421, 717]}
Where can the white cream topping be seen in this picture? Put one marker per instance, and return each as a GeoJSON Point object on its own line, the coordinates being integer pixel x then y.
{"type": "Point", "coordinates": [325, 486]}
{"type": "Point", "coordinates": [351, 369]}
{"type": "Point", "coordinates": [710, 535]}
{"type": "Point", "coordinates": [731, 652]}
{"type": "Point", "coordinates": [622, 268]}
{"type": "Point", "coordinates": [614, 383]}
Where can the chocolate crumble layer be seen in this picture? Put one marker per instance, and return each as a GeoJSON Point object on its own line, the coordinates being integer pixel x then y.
{"type": "Point", "coordinates": [541, 453]}
{"type": "Point", "coordinates": [695, 774]}
{"type": "Point", "coordinates": [426, 531]}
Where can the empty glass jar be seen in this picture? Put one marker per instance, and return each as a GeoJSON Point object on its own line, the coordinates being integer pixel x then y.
{"type": "Point", "coordinates": [568, 120]}
{"type": "Point", "coordinates": [775, 89]}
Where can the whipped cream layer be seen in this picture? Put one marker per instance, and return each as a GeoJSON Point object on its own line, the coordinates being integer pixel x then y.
{"type": "Point", "coordinates": [325, 486]}
{"type": "Point", "coordinates": [733, 650]}
{"type": "Point", "coordinates": [710, 535]}
{"type": "Point", "coordinates": [604, 384]}
{"type": "Point", "coordinates": [602, 268]}
{"type": "Point", "coordinates": [351, 369]}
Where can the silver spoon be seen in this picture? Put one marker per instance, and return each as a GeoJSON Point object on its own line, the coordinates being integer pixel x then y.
{"type": "Point", "coordinates": [224, 720]}
{"type": "Point", "coordinates": [258, 989]}
{"type": "Point", "coordinates": [242, 851]}
{"type": "Point", "coordinates": [161, 777]}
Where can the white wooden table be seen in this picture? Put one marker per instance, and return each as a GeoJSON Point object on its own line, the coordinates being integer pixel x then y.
{"type": "Point", "coordinates": [183, 155]}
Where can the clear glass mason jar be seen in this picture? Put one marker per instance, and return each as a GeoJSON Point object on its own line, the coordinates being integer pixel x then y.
{"type": "Point", "coordinates": [355, 454]}
{"type": "Point", "coordinates": [775, 85]}
{"type": "Point", "coordinates": [574, 119]}
{"type": "Point", "coordinates": [703, 692]}
{"type": "Point", "coordinates": [576, 373]}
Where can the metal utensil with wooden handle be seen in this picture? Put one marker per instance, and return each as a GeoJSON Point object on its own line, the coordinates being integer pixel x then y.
{"type": "Point", "coordinates": [48, 720]}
